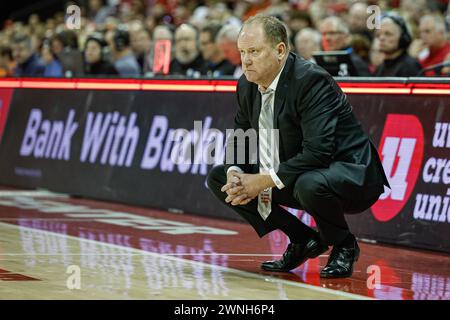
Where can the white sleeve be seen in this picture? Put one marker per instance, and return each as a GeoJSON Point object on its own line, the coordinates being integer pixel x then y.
{"type": "Point", "coordinates": [276, 180]}
{"type": "Point", "coordinates": [235, 168]}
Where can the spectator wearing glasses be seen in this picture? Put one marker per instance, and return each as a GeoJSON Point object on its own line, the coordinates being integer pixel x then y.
{"type": "Point", "coordinates": [188, 60]}
{"type": "Point", "coordinates": [336, 37]}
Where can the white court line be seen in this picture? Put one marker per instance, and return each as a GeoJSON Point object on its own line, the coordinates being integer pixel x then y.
{"type": "Point", "coordinates": [198, 263]}
{"type": "Point", "coordinates": [47, 219]}
{"type": "Point", "coordinates": [33, 193]}
{"type": "Point", "coordinates": [165, 254]}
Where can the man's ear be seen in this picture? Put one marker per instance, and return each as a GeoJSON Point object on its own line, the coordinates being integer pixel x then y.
{"type": "Point", "coordinates": [281, 50]}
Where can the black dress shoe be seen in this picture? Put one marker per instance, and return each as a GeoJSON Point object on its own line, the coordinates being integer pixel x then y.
{"type": "Point", "coordinates": [341, 260]}
{"type": "Point", "coordinates": [295, 255]}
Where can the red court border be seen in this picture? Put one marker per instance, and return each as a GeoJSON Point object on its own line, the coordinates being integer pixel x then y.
{"type": "Point", "coordinates": [210, 85]}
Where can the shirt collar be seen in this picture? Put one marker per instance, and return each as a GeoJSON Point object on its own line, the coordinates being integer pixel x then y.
{"type": "Point", "coordinates": [273, 85]}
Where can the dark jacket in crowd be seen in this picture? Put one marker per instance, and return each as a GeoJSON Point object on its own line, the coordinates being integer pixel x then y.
{"type": "Point", "coordinates": [33, 67]}
{"type": "Point", "coordinates": [198, 65]}
{"type": "Point", "coordinates": [402, 66]}
{"type": "Point", "coordinates": [361, 67]}
{"type": "Point", "coordinates": [101, 68]}
{"type": "Point", "coordinates": [223, 68]}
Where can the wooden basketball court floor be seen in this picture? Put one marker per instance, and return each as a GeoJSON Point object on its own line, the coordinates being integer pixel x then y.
{"type": "Point", "coordinates": [56, 247]}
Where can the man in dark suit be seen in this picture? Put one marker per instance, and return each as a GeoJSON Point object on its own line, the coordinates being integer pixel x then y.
{"type": "Point", "coordinates": [316, 157]}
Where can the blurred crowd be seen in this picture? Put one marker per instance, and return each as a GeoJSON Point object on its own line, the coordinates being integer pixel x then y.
{"type": "Point", "coordinates": [118, 38]}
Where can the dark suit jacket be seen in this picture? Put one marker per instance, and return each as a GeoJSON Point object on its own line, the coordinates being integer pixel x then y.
{"type": "Point", "coordinates": [317, 130]}
{"type": "Point", "coordinates": [33, 67]}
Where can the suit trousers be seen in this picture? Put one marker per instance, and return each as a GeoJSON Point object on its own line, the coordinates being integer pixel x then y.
{"type": "Point", "coordinates": [311, 193]}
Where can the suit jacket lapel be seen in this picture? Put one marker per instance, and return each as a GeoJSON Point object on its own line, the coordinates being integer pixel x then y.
{"type": "Point", "coordinates": [256, 108]}
{"type": "Point", "coordinates": [282, 88]}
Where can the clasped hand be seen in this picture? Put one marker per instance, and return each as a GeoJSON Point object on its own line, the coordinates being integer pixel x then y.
{"type": "Point", "coordinates": [241, 188]}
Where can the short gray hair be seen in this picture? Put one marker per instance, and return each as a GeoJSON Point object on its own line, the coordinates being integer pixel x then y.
{"type": "Point", "coordinates": [228, 32]}
{"type": "Point", "coordinates": [338, 23]}
{"type": "Point", "coordinates": [438, 21]}
{"type": "Point", "coordinates": [311, 33]}
{"type": "Point", "coordinates": [274, 29]}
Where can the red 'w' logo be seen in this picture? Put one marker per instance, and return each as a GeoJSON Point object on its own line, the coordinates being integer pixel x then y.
{"type": "Point", "coordinates": [401, 148]}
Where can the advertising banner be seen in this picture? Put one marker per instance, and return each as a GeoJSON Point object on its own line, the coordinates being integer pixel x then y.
{"type": "Point", "coordinates": [119, 146]}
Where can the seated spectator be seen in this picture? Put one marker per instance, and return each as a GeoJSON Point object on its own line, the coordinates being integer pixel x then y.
{"type": "Point", "coordinates": [124, 60]}
{"type": "Point", "coordinates": [357, 20]}
{"type": "Point", "coordinates": [57, 43]}
{"type": "Point", "coordinates": [434, 36]}
{"type": "Point", "coordinates": [336, 37]}
{"type": "Point", "coordinates": [6, 62]}
{"type": "Point", "coordinates": [53, 67]}
{"type": "Point", "coordinates": [307, 41]}
{"type": "Point", "coordinates": [64, 45]}
{"type": "Point", "coordinates": [216, 64]}
{"type": "Point", "coordinates": [227, 41]}
{"type": "Point", "coordinates": [395, 39]}
{"type": "Point", "coordinates": [141, 44]}
{"type": "Point", "coordinates": [94, 56]}
{"type": "Point", "coordinates": [28, 62]}
{"type": "Point", "coordinates": [188, 60]}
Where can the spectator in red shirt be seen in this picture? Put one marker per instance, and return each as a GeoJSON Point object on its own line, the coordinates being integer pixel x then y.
{"type": "Point", "coordinates": [434, 37]}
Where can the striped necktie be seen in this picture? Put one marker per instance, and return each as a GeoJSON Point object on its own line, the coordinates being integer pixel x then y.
{"type": "Point", "coordinates": [268, 149]}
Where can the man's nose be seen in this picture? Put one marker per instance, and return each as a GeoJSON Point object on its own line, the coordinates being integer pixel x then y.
{"type": "Point", "coordinates": [246, 60]}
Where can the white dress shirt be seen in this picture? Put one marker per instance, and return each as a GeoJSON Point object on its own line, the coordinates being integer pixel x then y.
{"type": "Point", "coordinates": [273, 175]}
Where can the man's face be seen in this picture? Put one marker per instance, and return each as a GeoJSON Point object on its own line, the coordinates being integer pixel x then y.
{"type": "Point", "coordinates": [21, 52]}
{"type": "Point", "coordinates": [185, 44]}
{"type": "Point", "coordinates": [428, 33]}
{"type": "Point", "coordinates": [230, 51]}
{"type": "Point", "coordinates": [207, 47]}
{"type": "Point", "coordinates": [93, 52]}
{"type": "Point", "coordinates": [57, 46]}
{"type": "Point", "coordinates": [389, 36]}
{"type": "Point", "coordinates": [333, 38]}
{"type": "Point", "coordinates": [140, 42]}
{"type": "Point", "coordinates": [260, 59]}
